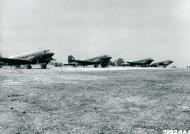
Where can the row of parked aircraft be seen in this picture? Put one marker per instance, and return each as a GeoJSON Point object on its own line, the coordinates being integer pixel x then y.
{"type": "Point", "coordinates": [44, 57]}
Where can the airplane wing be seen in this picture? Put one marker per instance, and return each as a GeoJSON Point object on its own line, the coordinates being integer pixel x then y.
{"type": "Point", "coordinates": [135, 62]}
{"type": "Point", "coordinates": [79, 62]}
{"type": "Point", "coordinates": [70, 64]}
{"type": "Point", "coordinates": [83, 62]}
{"type": "Point", "coordinates": [13, 62]}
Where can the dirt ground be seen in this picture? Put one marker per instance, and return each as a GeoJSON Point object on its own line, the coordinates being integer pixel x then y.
{"type": "Point", "coordinates": [85, 101]}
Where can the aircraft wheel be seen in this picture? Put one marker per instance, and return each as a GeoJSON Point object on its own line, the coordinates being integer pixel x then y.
{"type": "Point", "coordinates": [104, 65]}
{"type": "Point", "coordinates": [74, 65]}
{"type": "Point", "coordinates": [95, 66]}
{"type": "Point", "coordinates": [28, 66]}
{"type": "Point", "coordinates": [43, 66]}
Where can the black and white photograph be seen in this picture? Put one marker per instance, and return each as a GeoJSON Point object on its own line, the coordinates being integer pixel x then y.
{"type": "Point", "coordinates": [94, 67]}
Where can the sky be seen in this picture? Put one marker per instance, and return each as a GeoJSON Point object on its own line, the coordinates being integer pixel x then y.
{"type": "Point", "coordinates": [129, 29]}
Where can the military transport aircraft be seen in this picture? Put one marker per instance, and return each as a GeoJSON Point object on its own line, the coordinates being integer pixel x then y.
{"type": "Point", "coordinates": [1, 64]}
{"type": "Point", "coordinates": [163, 64]}
{"type": "Point", "coordinates": [141, 63]}
{"type": "Point", "coordinates": [103, 61]}
{"type": "Point", "coordinates": [42, 58]}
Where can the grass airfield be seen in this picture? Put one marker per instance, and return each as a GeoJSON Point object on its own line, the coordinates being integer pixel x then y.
{"type": "Point", "coordinates": [94, 101]}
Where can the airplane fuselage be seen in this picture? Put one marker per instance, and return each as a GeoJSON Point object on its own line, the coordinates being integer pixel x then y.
{"type": "Point", "coordinates": [162, 63]}
{"type": "Point", "coordinates": [141, 63]}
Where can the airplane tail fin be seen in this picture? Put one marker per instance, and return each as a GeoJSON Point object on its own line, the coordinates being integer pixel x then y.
{"type": "Point", "coordinates": [70, 59]}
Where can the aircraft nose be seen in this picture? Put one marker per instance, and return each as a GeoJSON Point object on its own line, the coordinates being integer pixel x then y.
{"type": "Point", "coordinates": [50, 53]}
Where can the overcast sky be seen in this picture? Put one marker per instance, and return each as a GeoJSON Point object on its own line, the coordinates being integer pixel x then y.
{"type": "Point", "coordinates": [131, 29]}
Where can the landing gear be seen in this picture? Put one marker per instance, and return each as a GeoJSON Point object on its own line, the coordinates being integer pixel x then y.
{"type": "Point", "coordinates": [95, 66]}
{"type": "Point", "coordinates": [43, 66]}
{"type": "Point", "coordinates": [104, 65]}
{"type": "Point", "coordinates": [28, 66]}
{"type": "Point", "coordinates": [75, 65]}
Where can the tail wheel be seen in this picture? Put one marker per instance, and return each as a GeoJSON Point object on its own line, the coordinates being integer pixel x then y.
{"type": "Point", "coordinates": [28, 66]}
{"type": "Point", "coordinates": [75, 65]}
{"type": "Point", "coordinates": [43, 66]}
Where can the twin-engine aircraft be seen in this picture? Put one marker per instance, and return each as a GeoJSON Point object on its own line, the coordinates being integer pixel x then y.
{"type": "Point", "coordinates": [163, 64]}
{"type": "Point", "coordinates": [141, 63]}
{"type": "Point", "coordinates": [103, 61]}
{"type": "Point", "coordinates": [42, 58]}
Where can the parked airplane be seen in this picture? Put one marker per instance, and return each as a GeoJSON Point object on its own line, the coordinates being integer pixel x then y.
{"type": "Point", "coordinates": [103, 60]}
{"type": "Point", "coordinates": [1, 64]}
{"type": "Point", "coordinates": [141, 63]}
{"type": "Point", "coordinates": [162, 63]}
{"type": "Point", "coordinates": [42, 58]}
